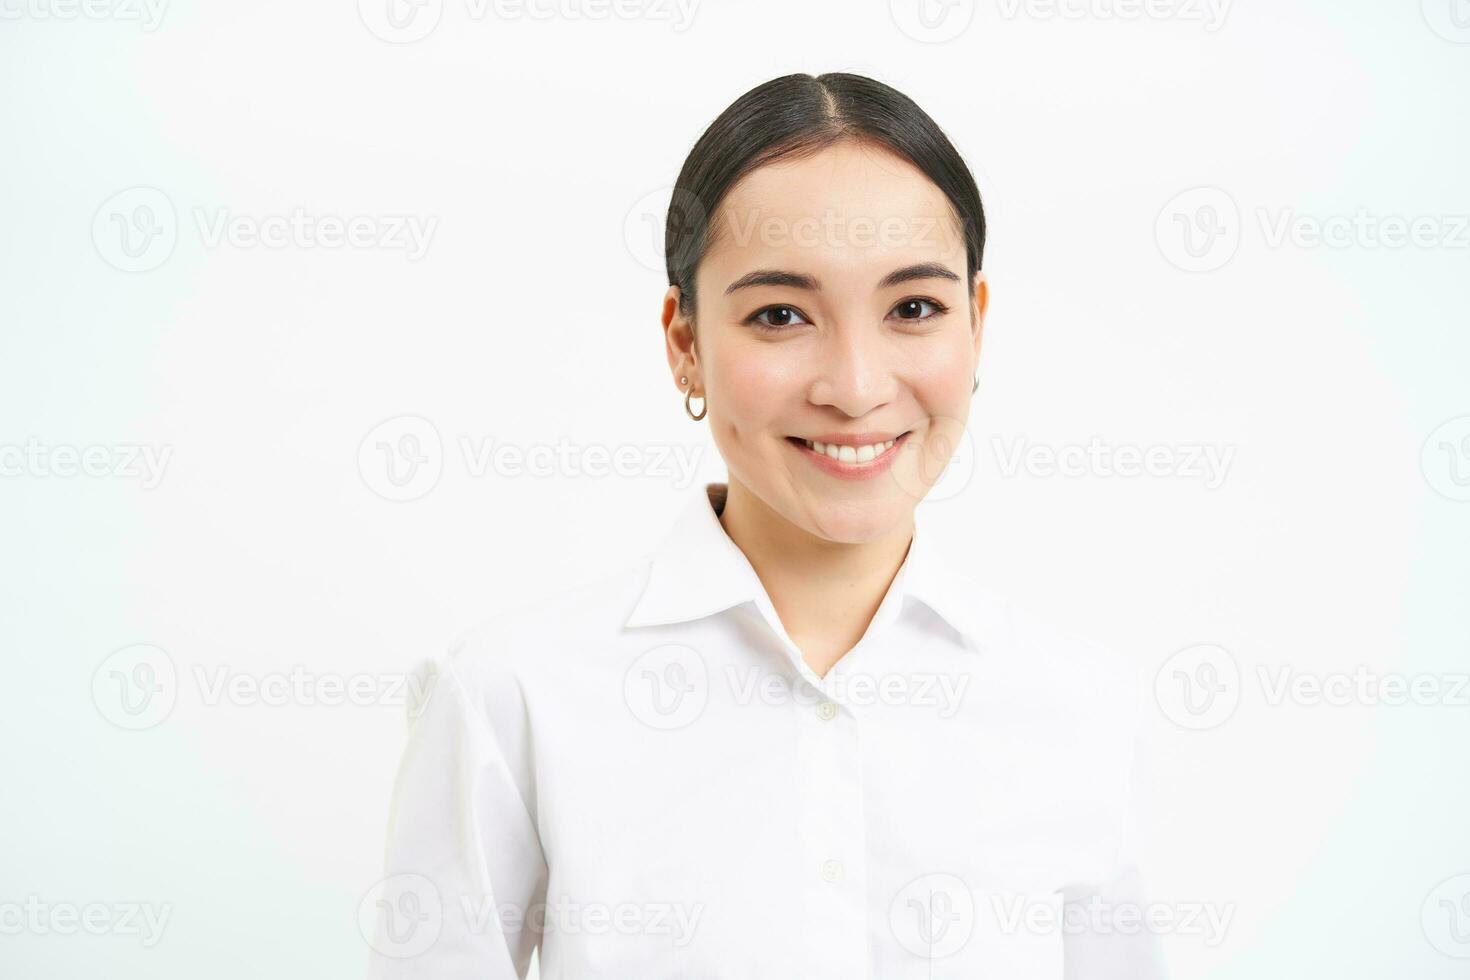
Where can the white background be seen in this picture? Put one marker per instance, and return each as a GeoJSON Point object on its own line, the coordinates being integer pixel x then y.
{"type": "Point", "coordinates": [542, 150]}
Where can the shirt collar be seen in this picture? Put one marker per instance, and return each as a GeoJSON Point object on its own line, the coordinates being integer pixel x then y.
{"type": "Point", "coordinates": [697, 571]}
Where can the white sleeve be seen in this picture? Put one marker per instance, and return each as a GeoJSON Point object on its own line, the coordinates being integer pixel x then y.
{"type": "Point", "coordinates": [465, 877]}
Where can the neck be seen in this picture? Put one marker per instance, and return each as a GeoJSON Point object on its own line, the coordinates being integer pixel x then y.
{"type": "Point", "coordinates": [825, 592]}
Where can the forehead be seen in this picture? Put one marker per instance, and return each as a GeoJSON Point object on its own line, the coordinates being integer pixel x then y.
{"type": "Point", "coordinates": [854, 207]}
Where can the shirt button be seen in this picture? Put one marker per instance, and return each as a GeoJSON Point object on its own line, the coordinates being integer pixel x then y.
{"type": "Point", "coordinates": [827, 710]}
{"type": "Point", "coordinates": [831, 870]}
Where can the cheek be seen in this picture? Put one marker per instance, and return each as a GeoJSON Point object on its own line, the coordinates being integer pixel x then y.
{"type": "Point", "coordinates": [941, 375]}
{"type": "Point", "coordinates": [756, 386]}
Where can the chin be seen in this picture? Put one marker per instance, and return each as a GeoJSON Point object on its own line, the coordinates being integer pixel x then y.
{"type": "Point", "coordinates": [857, 518]}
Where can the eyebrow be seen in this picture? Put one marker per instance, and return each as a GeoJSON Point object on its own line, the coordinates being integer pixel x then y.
{"type": "Point", "coordinates": [798, 280]}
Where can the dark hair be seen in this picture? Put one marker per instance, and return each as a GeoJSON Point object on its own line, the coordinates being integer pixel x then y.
{"type": "Point", "coordinates": [799, 115]}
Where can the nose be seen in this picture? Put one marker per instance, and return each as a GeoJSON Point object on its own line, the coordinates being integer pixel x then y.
{"type": "Point", "coordinates": [856, 372]}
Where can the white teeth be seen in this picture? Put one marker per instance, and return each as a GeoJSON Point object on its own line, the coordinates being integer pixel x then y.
{"type": "Point", "coordinates": [849, 454]}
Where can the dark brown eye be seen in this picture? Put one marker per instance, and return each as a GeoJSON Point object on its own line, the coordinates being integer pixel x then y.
{"type": "Point", "coordinates": [913, 309]}
{"type": "Point", "coordinates": [776, 318]}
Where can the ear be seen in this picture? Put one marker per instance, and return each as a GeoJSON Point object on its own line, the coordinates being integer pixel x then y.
{"type": "Point", "coordinates": [978, 304]}
{"type": "Point", "coordinates": [679, 346]}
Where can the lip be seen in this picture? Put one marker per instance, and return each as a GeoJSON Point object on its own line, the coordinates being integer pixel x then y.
{"type": "Point", "coordinates": [852, 471]}
{"type": "Point", "coordinates": [854, 438]}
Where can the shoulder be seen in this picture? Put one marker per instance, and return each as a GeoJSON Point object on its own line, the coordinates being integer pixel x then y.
{"type": "Point", "coordinates": [551, 629]}
{"type": "Point", "coordinates": [487, 667]}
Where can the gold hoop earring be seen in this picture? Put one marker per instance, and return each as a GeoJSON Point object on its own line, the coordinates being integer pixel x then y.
{"type": "Point", "coordinates": [703, 409]}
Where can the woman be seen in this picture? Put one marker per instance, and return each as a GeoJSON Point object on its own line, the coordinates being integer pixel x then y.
{"type": "Point", "coordinates": [791, 742]}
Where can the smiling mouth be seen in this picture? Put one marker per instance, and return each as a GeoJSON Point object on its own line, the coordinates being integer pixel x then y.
{"type": "Point", "coordinates": [850, 455]}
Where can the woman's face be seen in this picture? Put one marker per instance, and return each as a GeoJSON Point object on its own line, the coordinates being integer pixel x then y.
{"type": "Point", "coordinates": [832, 309]}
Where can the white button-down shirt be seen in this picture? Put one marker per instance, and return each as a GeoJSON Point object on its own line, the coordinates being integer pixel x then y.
{"type": "Point", "coordinates": [644, 779]}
